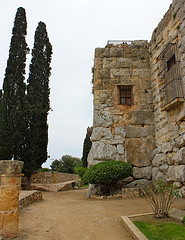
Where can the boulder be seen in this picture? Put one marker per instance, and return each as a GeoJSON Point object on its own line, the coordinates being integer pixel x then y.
{"type": "Point", "coordinates": [141, 183]}
{"type": "Point", "coordinates": [96, 189]}
{"type": "Point", "coordinates": [144, 172]}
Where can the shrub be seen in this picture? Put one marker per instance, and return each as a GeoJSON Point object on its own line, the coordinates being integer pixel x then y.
{"type": "Point", "coordinates": [108, 173]}
{"type": "Point", "coordinates": [80, 171]}
{"type": "Point", "coordinates": [161, 197]}
{"type": "Point", "coordinates": [44, 170]}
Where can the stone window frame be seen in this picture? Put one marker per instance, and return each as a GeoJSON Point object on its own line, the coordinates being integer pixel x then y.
{"type": "Point", "coordinates": [171, 91]}
{"type": "Point", "coordinates": [127, 94]}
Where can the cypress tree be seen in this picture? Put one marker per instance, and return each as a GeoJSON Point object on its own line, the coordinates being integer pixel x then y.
{"type": "Point", "coordinates": [37, 103]}
{"type": "Point", "coordinates": [13, 95]}
{"type": "Point", "coordinates": [86, 148]}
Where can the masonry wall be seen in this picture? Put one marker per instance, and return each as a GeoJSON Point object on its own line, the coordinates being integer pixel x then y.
{"type": "Point", "coordinates": [123, 132]}
{"type": "Point", "coordinates": [169, 160]}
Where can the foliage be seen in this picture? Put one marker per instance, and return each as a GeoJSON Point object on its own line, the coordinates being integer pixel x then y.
{"type": "Point", "coordinates": [86, 148]}
{"type": "Point", "coordinates": [108, 173]}
{"type": "Point", "coordinates": [44, 170]}
{"type": "Point", "coordinates": [161, 231]}
{"type": "Point", "coordinates": [12, 109]}
{"type": "Point", "coordinates": [183, 220]}
{"type": "Point", "coordinates": [80, 171]}
{"type": "Point", "coordinates": [160, 197]}
{"type": "Point", "coordinates": [66, 165]}
{"type": "Point", "coordinates": [37, 103]}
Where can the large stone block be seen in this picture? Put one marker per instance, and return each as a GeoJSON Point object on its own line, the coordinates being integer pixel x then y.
{"type": "Point", "coordinates": [145, 172]}
{"type": "Point", "coordinates": [136, 132]}
{"type": "Point", "coordinates": [137, 153]}
{"type": "Point", "coordinates": [141, 183]}
{"type": "Point", "coordinates": [179, 172]}
{"type": "Point", "coordinates": [10, 225]}
{"type": "Point", "coordinates": [101, 151]}
{"type": "Point", "coordinates": [9, 199]}
{"type": "Point", "coordinates": [9, 167]}
{"type": "Point", "coordinates": [102, 119]}
{"type": "Point", "coordinates": [167, 147]}
{"type": "Point", "coordinates": [159, 159]}
{"type": "Point", "coordinates": [142, 117]}
{"type": "Point", "coordinates": [179, 157]}
{"type": "Point", "coordinates": [100, 132]}
{"type": "Point", "coordinates": [115, 52]}
{"type": "Point", "coordinates": [170, 177]}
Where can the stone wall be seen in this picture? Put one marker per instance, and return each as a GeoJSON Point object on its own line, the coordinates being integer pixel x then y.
{"type": "Point", "coordinates": [123, 132]}
{"type": "Point", "coordinates": [149, 133]}
{"type": "Point", "coordinates": [51, 177]}
{"type": "Point", "coordinates": [169, 160]}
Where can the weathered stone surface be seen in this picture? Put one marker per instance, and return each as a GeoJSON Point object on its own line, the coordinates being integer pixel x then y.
{"type": "Point", "coordinates": [100, 132]}
{"type": "Point", "coordinates": [182, 190]}
{"type": "Point", "coordinates": [179, 157]}
{"type": "Point", "coordinates": [137, 153]}
{"type": "Point", "coordinates": [9, 199]}
{"type": "Point", "coordinates": [179, 172]}
{"type": "Point", "coordinates": [144, 172]}
{"type": "Point", "coordinates": [9, 167]}
{"type": "Point", "coordinates": [102, 152]}
{"type": "Point", "coordinates": [121, 149]}
{"type": "Point", "coordinates": [142, 117]}
{"type": "Point", "coordinates": [180, 141]}
{"type": "Point", "coordinates": [159, 159]}
{"type": "Point", "coordinates": [164, 168]}
{"type": "Point", "coordinates": [120, 131]}
{"type": "Point", "coordinates": [130, 192]}
{"type": "Point", "coordinates": [136, 132]}
{"type": "Point", "coordinates": [177, 184]}
{"type": "Point", "coordinates": [167, 147]}
{"type": "Point", "coordinates": [96, 189]}
{"type": "Point", "coordinates": [10, 225]}
{"type": "Point", "coordinates": [102, 119]}
{"type": "Point", "coordinates": [170, 174]}
{"type": "Point", "coordinates": [141, 183]}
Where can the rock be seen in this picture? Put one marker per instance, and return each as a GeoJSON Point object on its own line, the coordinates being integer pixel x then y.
{"type": "Point", "coordinates": [102, 119]}
{"type": "Point", "coordinates": [167, 147]}
{"type": "Point", "coordinates": [177, 184]}
{"type": "Point", "coordinates": [145, 172]}
{"type": "Point", "coordinates": [130, 192]}
{"type": "Point", "coordinates": [141, 183]}
{"type": "Point", "coordinates": [100, 132]}
{"type": "Point", "coordinates": [179, 157]}
{"type": "Point", "coordinates": [180, 141]}
{"type": "Point", "coordinates": [120, 131]}
{"type": "Point", "coordinates": [96, 189]}
{"type": "Point", "coordinates": [159, 159]}
{"type": "Point", "coordinates": [182, 190]}
{"type": "Point", "coordinates": [164, 168]}
{"type": "Point", "coordinates": [170, 177]}
{"type": "Point", "coordinates": [101, 151]}
{"type": "Point", "coordinates": [136, 132]}
{"type": "Point", "coordinates": [120, 149]}
{"type": "Point", "coordinates": [179, 172]}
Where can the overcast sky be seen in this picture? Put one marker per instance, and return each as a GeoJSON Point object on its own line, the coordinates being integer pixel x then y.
{"type": "Point", "coordinates": [75, 29]}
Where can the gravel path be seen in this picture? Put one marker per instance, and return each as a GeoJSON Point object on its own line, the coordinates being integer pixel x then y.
{"type": "Point", "coordinates": [71, 216]}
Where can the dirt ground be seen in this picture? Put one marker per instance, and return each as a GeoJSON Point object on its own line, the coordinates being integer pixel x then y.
{"type": "Point", "coordinates": [71, 216]}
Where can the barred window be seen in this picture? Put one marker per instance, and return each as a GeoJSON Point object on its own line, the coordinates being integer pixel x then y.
{"type": "Point", "coordinates": [125, 95]}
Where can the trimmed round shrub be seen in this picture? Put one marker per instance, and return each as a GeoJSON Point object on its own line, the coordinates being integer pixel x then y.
{"type": "Point", "coordinates": [108, 173]}
{"type": "Point", "coordinates": [80, 171]}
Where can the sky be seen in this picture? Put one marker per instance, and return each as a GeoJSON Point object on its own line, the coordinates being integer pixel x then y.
{"type": "Point", "coordinates": [75, 28]}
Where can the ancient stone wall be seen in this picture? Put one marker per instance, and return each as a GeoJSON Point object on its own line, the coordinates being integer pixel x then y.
{"type": "Point", "coordinates": [149, 132]}
{"type": "Point", "coordinates": [123, 131]}
{"type": "Point", "coordinates": [167, 60]}
{"type": "Point", "coordinates": [51, 177]}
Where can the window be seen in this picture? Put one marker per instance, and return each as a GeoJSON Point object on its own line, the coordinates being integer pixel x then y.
{"type": "Point", "coordinates": [171, 91]}
{"type": "Point", "coordinates": [125, 93]}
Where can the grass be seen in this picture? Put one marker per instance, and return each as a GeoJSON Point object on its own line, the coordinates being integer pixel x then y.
{"type": "Point", "coordinates": [161, 231]}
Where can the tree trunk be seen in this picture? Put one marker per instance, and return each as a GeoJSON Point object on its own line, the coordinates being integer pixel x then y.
{"type": "Point", "coordinates": [28, 182]}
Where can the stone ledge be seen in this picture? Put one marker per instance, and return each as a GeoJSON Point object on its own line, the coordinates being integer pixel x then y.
{"type": "Point", "coordinates": [28, 197]}
{"type": "Point", "coordinates": [131, 227]}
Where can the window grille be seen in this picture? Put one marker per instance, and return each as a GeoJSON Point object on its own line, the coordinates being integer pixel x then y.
{"type": "Point", "coordinates": [125, 95]}
{"type": "Point", "coordinates": [171, 91]}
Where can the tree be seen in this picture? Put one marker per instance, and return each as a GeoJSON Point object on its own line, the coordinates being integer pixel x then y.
{"type": "Point", "coordinates": [37, 103]}
{"type": "Point", "coordinates": [12, 122]}
{"type": "Point", "coordinates": [86, 148]}
{"type": "Point", "coordinates": [66, 165]}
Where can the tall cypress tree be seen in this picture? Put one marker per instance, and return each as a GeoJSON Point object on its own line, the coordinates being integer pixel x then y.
{"type": "Point", "coordinates": [86, 148]}
{"type": "Point", "coordinates": [12, 99]}
{"type": "Point", "coordinates": [37, 103]}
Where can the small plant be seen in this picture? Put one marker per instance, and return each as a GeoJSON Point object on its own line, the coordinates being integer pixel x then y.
{"type": "Point", "coordinates": [108, 173]}
{"type": "Point", "coordinates": [80, 171]}
{"type": "Point", "coordinates": [161, 197]}
{"type": "Point", "coordinates": [183, 220]}
{"type": "Point", "coordinates": [174, 15]}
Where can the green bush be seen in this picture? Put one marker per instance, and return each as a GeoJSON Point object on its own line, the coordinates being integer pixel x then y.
{"type": "Point", "coordinates": [80, 171]}
{"type": "Point", "coordinates": [44, 170]}
{"type": "Point", "coordinates": [108, 173]}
